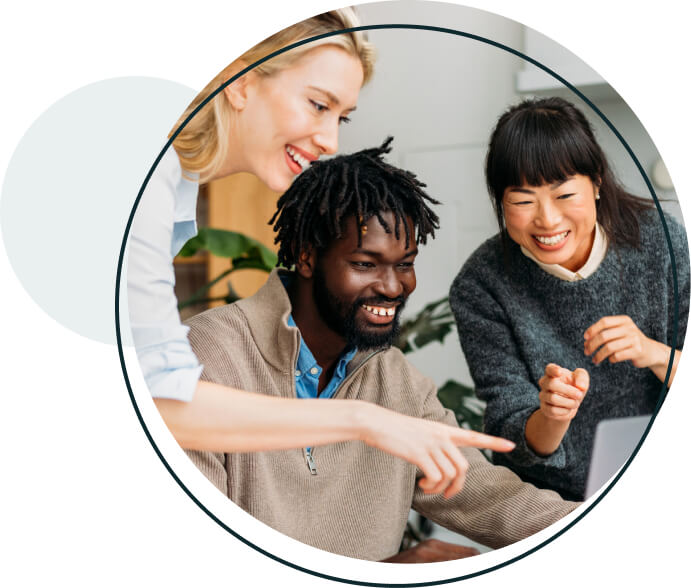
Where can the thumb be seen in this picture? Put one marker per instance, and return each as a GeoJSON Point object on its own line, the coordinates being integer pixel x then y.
{"type": "Point", "coordinates": [581, 379]}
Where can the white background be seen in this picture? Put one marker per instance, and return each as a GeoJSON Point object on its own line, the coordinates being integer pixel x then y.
{"type": "Point", "coordinates": [85, 501]}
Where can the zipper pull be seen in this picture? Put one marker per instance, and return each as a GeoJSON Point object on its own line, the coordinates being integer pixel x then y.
{"type": "Point", "coordinates": [310, 461]}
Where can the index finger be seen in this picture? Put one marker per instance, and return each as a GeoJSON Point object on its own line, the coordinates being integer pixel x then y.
{"type": "Point", "coordinates": [481, 441]}
{"type": "Point", "coordinates": [605, 322]}
{"type": "Point", "coordinates": [553, 370]}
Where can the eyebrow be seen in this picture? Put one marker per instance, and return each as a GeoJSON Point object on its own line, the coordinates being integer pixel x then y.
{"type": "Point", "coordinates": [332, 97]}
{"type": "Point", "coordinates": [529, 191]}
{"type": "Point", "coordinates": [377, 254]}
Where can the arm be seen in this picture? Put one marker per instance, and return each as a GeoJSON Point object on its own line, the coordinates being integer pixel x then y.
{"type": "Point", "coordinates": [495, 508]}
{"type": "Point", "coordinates": [169, 367]}
{"type": "Point", "coordinates": [561, 394]}
{"type": "Point", "coordinates": [618, 338]}
{"type": "Point", "coordinates": [500, 375]}
{"type": "Point", "coordinates": [229, 420]}
{"type": "Point", "coordinates": [432, 550]}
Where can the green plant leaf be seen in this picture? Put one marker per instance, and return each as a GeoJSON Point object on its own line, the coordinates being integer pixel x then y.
{"type": "Point", "coordinates": [461, 400]}
{"type": "Point", "coordinates": [433, 323]}
{"type": "Point", "coordinates": [232, 245]}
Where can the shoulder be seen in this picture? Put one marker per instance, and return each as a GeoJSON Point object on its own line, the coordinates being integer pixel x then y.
{"type": "Point", "coordinates": [483, 271]}
{"type": "Point", "coordinates": [658, 241]}
{"type": "Point", "coordinates": [216, 324]}
{"type": "Point", "coordinates": [394, 364]}
{"type": "Point", "coordinates": [406, 389]}
{"type": "Point", "coordinates": [487, 257]}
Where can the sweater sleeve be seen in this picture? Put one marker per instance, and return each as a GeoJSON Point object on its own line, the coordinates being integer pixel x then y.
{"type": "Point", "coordinates": [681, 263]}
{"type": "Point", "coordinates": [499, 373]}
{"type": "Point", "coordinates": [495, 507]}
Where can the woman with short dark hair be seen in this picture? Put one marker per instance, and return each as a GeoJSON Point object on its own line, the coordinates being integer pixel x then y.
{"type": "Point", "coordinates": [566, 317]}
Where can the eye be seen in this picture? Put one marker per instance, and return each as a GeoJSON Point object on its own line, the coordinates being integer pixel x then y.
{"type": "Point", "coordinates": [344, 119]}
{"type": "Point", "coordinates": [362, 265]}
{"type": "Point", "coordinates": [318, 106]}
{"type": "Point", "coordinates": [521, 203]}
{"type": "Point", "coordinates": [406, 266]}
{"type": "Point", "coordinates": [565, 196]}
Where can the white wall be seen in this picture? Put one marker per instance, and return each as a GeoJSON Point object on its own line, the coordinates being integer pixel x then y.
{"type": "Point", "coordinates": [440, 95]}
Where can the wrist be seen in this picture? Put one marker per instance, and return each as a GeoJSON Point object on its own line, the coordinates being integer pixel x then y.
{"type": "Point", "coordinates": [363, 419]}
{"type": "Point", "coordinates": [660, 355]}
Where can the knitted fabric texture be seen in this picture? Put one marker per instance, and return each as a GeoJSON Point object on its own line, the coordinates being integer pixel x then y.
{"type": "Point", "coordinates": [358, 502]}
{"type": "Point", "coordinates": [515, 319]}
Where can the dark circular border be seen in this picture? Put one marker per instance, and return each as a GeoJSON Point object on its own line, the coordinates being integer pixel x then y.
{"type": "Point", "coordinates": [571, 87]}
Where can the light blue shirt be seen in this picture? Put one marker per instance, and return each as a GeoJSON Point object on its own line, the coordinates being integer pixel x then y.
{"type": "Point", "coordinates": [307, 371]}
{"type": "Point", "coordinates": [164, 221]}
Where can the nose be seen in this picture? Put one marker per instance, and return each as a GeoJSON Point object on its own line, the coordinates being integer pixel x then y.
{"type": "Point", "coordinates": [389, 284]}
{"type": "Point", "coordinates": [548, 215]}
{"type": "Point", "coordinates": [327, 138]}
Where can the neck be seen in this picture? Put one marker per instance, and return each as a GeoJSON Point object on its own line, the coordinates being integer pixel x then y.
{"type": "Point", "coordinates": [326, 345]}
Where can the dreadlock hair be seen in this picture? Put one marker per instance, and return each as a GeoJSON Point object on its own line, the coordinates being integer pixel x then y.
{"type": "Point", "coordinates": [312, 213]}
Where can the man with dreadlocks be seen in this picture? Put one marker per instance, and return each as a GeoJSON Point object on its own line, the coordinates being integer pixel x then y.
{"type": "Point", "coordinates": [350, 227]}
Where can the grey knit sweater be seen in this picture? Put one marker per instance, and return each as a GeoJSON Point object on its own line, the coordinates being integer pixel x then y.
{"type": "Point", "coordinates": [358, 502]}
{"type": "Point", "coordinates": [515, 319]}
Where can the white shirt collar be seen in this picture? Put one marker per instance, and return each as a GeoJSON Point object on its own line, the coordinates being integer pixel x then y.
{"type": "Point", "coordinates": [597, 254]}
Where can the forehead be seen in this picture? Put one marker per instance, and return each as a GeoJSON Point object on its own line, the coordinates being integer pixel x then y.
{"type": "Point", "coordinates": [329, 68]}
{"type": "Point", "coordinates": [374, 238]}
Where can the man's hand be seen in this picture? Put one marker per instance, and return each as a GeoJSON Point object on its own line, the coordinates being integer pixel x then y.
{"type": "Point", "coordinates": [562, 391]}
{"type": "Point", "coordinates": [431, 550]}
{"type": "Point", "coordinates": [430, 445]}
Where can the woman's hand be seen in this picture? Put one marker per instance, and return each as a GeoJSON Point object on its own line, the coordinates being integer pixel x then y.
{"type": "Point", "coordinates": [430, 445]}
{"type": "Point", "coordinates": [561, 394]}
{"type": "Point", "coordinates": [562, 391]}
{"type": "Point", "coordinates": [618, 338]}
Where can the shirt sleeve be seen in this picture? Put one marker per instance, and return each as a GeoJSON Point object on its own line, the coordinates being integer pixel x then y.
{"type": "Point", "coordinates": [495, 507]}
{"type": "Point", "coordinates": [501, 377]}
{"type": "Point", "coordinates": [170, 368]}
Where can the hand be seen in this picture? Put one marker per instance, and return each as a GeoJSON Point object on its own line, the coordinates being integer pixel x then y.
{"type": "Point", "coordinates": [562, 391]}
{"type": "Point", "coordinates": [430, 445]}
{"type": "Point", "coordinates": [431, 550]}
{"type": "Point", "coordinates": [617, 338]}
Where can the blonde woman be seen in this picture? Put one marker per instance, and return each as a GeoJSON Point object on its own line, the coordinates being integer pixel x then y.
{"type": "Point", "coordinates": [273, 122]}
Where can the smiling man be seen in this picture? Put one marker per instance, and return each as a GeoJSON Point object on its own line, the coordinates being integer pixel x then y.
{"type": "Point", "coordinates": [350, 227]}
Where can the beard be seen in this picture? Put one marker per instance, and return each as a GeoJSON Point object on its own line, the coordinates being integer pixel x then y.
{"type": "Point", "coordinates": [342, 318]}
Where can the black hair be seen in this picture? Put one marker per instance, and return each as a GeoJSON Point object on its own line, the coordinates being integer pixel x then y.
{"type": "Point", "coordinates": [312, 213]}
{"type": "Point", "coordinates": [544, 141]}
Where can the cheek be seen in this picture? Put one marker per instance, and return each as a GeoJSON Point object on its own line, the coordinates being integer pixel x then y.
{"type": "Point", "coordinates": [516, 224]}
{"type": "Point", "coordinates": [409, 282]}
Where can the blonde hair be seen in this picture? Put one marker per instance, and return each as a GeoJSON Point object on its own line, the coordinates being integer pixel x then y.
{"type": "Point", "coordinates": [203, 144]}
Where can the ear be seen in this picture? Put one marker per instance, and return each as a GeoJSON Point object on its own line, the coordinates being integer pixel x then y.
{"type": "Point", "coordinates": [306, 262]}
{"type": "Point", "coordinates": [236, 92]}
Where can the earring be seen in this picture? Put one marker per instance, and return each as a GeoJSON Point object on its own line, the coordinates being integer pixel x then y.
{"type": "Point", "coordinates": [597, 196]}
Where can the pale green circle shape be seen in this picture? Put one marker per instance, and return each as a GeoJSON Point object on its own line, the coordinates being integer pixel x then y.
{"type": "Point", "coordinates": [70, 187]}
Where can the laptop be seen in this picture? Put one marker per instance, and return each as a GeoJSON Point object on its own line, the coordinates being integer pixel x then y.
{"type": "Point", "coordinates": [615, 440]}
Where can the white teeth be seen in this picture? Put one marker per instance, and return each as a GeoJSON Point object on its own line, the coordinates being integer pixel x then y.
{"type": "Point", "coordinates": [380, 311]}
{"type": "Point", "coordinates": [552, 240]}
{"type": "Point", "coordinates": [303, 162]}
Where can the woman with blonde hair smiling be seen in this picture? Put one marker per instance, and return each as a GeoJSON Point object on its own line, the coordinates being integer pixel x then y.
{"type": "Point", "coordinates": [273, 122]}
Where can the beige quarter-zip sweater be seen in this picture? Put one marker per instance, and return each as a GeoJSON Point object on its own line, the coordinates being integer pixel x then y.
{"type": "Point", "coordinates": [358, 502]}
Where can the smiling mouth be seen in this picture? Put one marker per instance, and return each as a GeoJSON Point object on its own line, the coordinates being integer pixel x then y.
{"type": "Point", "coordinates": [552, 240]}
{"type": "Point", "coordinates": [300, 160]}
{"type": "Point", "coordinates": [380, 310]}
